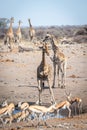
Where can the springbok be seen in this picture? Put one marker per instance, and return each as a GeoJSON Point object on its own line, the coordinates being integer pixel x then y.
{"type": "Point", "coordinates": [41, 111]}
{"type": "Point", "coordinates": [23, 106]}
{"type": "Point", "coordinates": [23, 116]}
{"type": "Point", "coordinates": [20, 115]}
{"type": "Point", "coordinates": [4, 104]}
{"type": "Point", "coordinates": [63, 105]}
{"type": "Point", "coordinates": [7, 111]}
{"type": "Point", "coordinates": [14, 117]}
{"type": "Point", "coordinates": [76, 101]}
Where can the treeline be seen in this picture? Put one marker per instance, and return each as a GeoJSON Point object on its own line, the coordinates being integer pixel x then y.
{"type": "Point", "coordinates": [78, 33]}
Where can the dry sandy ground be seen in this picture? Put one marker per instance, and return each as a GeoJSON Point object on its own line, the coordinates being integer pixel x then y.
{"type": "Point", "coordinates": [75, 123]}
{"type": "Point", "coordinates": [18, 81]}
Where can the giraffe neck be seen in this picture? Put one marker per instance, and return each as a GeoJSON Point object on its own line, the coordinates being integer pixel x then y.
{"type": "Point", "coordinates": [43, 58]}
{"type": "Point", "coordinates": [30, 23]}
{"type": "Point", "coordinates": [10, 24]}
{"type": "Point", "coordinates": [19, 28]}
{"type": "Point", "coordinates": [54, 47]}
{"type": "Point", "coordinates": [10, 28]}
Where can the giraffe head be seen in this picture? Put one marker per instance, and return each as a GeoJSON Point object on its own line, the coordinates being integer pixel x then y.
{"type": "Point", "coordinates": [20, 22]}
{"type": "Point", "coordinates": [44, 48]}
{"type": "Point", "coordinates": [29, 22]}
{"type": "Point", "coordinates": [48, 37]}
{"type": "Point", "coordinates": [12, 20]}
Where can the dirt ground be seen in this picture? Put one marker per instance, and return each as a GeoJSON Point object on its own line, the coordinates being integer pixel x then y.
{"type": "Point", "coordinates": [18, 82]}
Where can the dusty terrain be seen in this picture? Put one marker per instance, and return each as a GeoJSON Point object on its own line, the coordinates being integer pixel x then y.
{"type": "Point", "coordinates": [18, 82]}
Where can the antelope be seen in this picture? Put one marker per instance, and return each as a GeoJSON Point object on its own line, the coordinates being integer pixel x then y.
{"type": "Point", "coordinates": [76, 100]}
{"type": "Point", "coordinates": [4, 104]}
{"type": "Point", "coordinates": [59, 60]}
{"type": "Point", "coordinates": [23, 106]}
{"type": "Point", "coordinates": [41, 111]}
{"type": "Point", "coordinates": [23, 116]}
{"type": "Point", "coordinates": [7, 111]}
{"type": "Point", "coordinates": [63, 105]}
{"type": "Point", "coordinates": [7, 120]}
{"type": "Point", "coordinates": [14, 117]}
{"type": "Point", "coordinates": [20, 115]}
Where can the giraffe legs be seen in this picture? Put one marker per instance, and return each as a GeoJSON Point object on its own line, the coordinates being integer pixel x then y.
{"type": "Point", "coordinates": [64, 73]}
{"type": "Point", "coordinates": [51, 92]}
{"type": "Point", "coordinates": [62, 76]}
{"type": "Point", "coordinates": [40, 87]}
{"type": "Point", "coordinates": [54, 75]}
{"type": "Point", "coordinates": [9, 42]}
{"type": "Point", "coordinates": [10, 47]}
{"type": "Point", "coordinates": [58, 77]}
{"type": "Point", "coordinates": [61, 68]}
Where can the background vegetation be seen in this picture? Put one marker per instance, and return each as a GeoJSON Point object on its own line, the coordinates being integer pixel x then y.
{"type": "Point", "coordinates": [77, 33]}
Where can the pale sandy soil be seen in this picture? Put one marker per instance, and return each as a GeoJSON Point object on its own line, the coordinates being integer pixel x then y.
{"type": "Point", "coordinates": [18, 82]}
{"type": "Point", "coordinates": [75, 123]}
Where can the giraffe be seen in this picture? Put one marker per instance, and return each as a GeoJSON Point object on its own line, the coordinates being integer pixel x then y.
{"type": "Point", "coordinates": [9, 35]}
{"type": "Point", "coordinates": [31, 31]}
{"type": "Point", "coordinates": [59, 60]}
{"type": "Point", "coordinates": [18, 33]}
{"type": "Point", "coordinates": [44, 74]}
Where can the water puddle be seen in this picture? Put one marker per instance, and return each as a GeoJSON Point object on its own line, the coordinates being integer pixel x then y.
{"type": "Point", "coordinates": [16, 111]}
{"type": "Point", "coordinates": [60, 114]}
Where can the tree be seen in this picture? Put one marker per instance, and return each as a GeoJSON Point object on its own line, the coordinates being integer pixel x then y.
{"type": "Point", "coordinates": [4, 22]}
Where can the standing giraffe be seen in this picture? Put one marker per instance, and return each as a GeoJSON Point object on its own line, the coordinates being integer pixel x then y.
{"type": "Point", "coordinates": [9, 35]}
{"type": "Point", "coordinates": [31, 31]}
{"type": "Point", "coordinates": [44, 74]}
{"type": "Point", "coordinates": [59, 60]}
{"type": "Point", "coordinates": [18, 33]}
